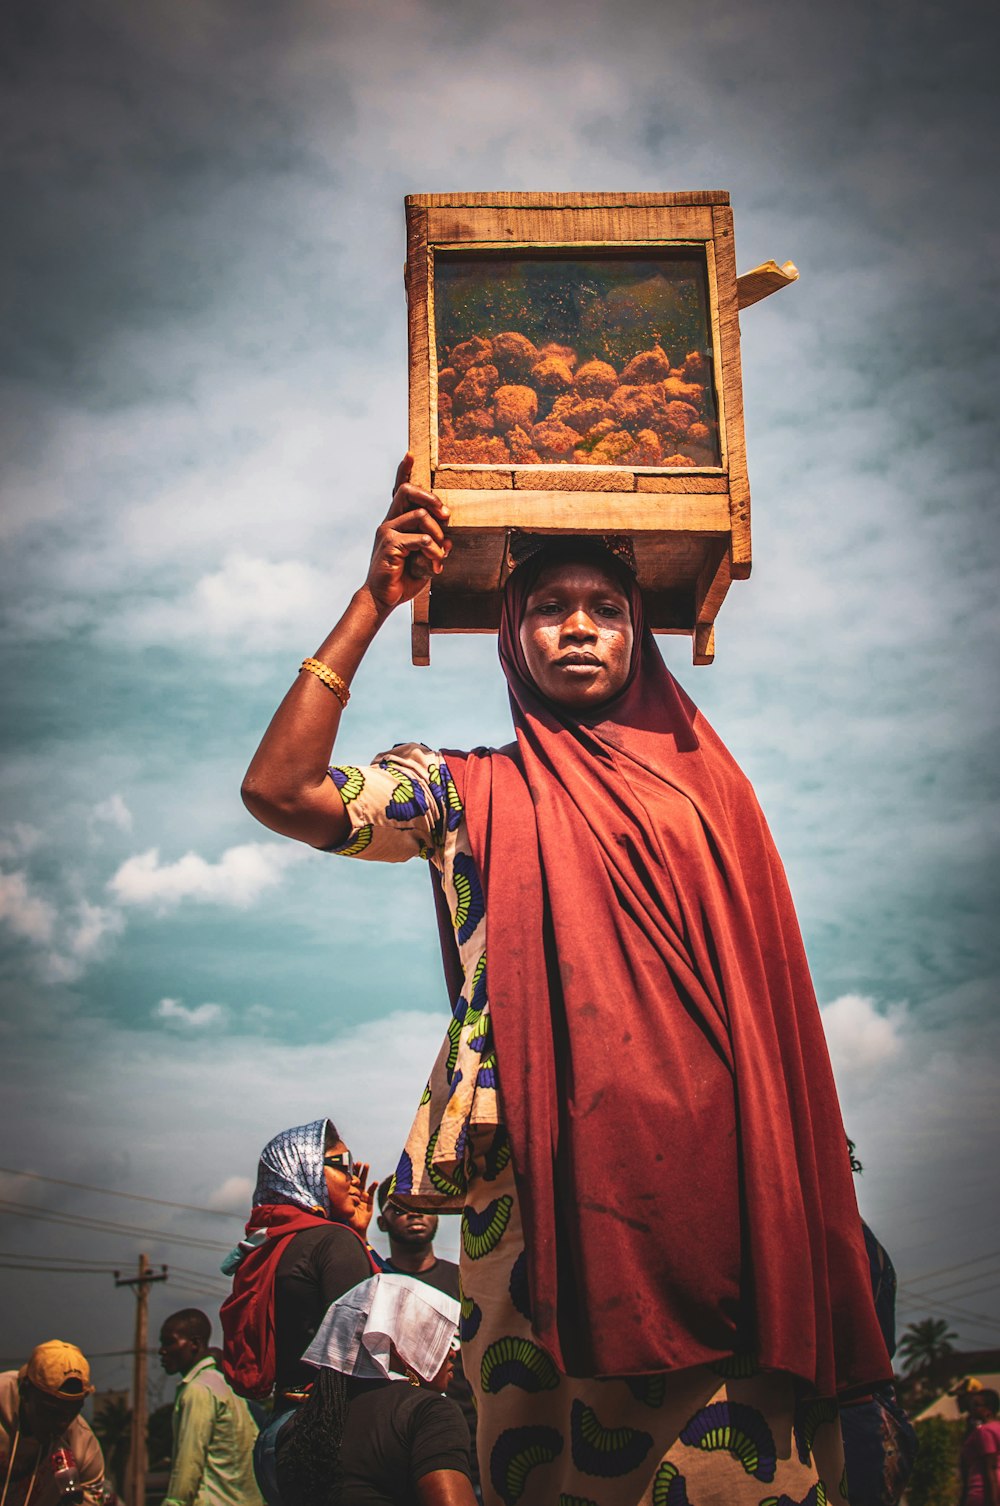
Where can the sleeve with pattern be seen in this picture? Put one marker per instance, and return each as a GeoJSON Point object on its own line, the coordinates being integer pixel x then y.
{"type": "Point", "coordinates": [400, 805]}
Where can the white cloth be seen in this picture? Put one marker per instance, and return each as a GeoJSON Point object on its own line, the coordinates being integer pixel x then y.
{"type": "Point", "coordinates": [359, 1329]}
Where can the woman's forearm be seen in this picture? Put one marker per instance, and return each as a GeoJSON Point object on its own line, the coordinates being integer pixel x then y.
{"type": "Point", "coordinates": [286, 785]}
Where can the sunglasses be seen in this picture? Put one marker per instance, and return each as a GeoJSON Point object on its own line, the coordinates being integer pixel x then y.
{"type": "Point", "coordinates": [341, 1160]}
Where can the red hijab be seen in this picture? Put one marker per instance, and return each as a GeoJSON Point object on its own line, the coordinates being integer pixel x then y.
{"type": "Point", "coordinates": [677, 1142]}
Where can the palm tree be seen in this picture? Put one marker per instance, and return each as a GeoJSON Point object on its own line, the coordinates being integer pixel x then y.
{"type": "Point", "coordinates": [925, 1347]}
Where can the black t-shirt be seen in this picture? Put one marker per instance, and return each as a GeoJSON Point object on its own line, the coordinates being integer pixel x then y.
{"type": "Point", "coordinates": [394, 1434]}
{"type": "Point", "coordinates": [316, 1266]}
{"type": "Point", "coordinates": [443, 1275]}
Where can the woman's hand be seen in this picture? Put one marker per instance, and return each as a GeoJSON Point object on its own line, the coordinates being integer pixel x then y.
{"type": "Point", "coordinates": [410, 544]}
{"type": "Point", "coordinates": [363, 1212]}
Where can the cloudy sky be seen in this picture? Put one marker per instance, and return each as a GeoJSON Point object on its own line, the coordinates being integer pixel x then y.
{"type": "Point", "coordinates": [203, 376]}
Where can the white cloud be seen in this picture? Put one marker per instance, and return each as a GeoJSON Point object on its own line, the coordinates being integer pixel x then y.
{"type": "Point", "coordinates": [64, 939]}
{"type": "Point", "coordinates": [27, 915]}
{"type": "Point", "coordinates": [268, 602]}
{"type": "Point", "coordinates": [94, 924]}
{"type": "Point", "coordinates": [197, 1018]}
{"type": "Point", "coordinates": [18, 841]}
{"type": "Point", "coordinates": [238, 878]}
{"type": "Point", "coordinates": [233, 1196]}
{"type": "Point", "coordinates": [859, 1036]}
{"type": "Point", "coordinates": [86, 937]}
{"type": "Point", "coordinates": [114, 812]}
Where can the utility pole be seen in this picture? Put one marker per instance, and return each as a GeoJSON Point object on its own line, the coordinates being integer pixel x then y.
{"type": "Point", "coordinates": [140, 1403]}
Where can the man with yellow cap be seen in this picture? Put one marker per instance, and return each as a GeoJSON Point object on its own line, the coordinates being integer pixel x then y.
{"type": "Point", "coordinates": [48, 1454]}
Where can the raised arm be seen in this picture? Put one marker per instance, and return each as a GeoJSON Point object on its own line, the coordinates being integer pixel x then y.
{"type": "Point", "coordinates": [286, 786]}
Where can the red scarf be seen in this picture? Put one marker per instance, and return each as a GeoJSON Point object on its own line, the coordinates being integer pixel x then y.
{"type": "Point", "coordinates": [664, 1077]}
{"type": "Point", "coordinates": [247, 1315]}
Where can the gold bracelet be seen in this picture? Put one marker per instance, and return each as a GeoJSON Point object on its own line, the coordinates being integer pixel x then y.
{"type": "Point", "coordinates": [330, 678]}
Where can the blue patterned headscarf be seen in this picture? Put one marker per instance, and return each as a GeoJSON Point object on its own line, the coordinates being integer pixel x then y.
{"type": "Point", "coordinates": [291, 1167]}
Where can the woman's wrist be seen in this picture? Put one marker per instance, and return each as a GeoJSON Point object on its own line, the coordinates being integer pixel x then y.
{"type": "Point", "coordinates": [368, 604]}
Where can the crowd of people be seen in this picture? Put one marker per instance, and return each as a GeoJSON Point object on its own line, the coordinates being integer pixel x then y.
{"type": "Point", "coordinates": [359, 1399]}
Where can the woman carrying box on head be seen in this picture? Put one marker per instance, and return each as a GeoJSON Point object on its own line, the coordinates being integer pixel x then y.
{"type": "Point", "coordinates": [664, 1279]}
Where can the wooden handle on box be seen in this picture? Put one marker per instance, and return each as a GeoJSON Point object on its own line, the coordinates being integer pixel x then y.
{"type": "Point", "coordinates": [764, 280]}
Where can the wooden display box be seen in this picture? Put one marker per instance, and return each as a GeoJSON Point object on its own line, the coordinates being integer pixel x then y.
{"type": "Point", "coordinates": [575, 367]}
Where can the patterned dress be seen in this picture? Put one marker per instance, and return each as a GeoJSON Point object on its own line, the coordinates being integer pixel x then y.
{"type": "Point", "coordinates": [709, 1436]}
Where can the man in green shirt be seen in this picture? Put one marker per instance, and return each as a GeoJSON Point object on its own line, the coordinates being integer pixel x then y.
{"type": "Point", "coordinates": [214, 1433]}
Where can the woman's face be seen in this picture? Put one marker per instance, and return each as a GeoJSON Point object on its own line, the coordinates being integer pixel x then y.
{"type": "Point", "coordinates": [341, 1187]}
{"type": "Point", "coordinates": [577, 635]}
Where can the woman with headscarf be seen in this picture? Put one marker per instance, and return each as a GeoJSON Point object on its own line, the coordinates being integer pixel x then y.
{"type": "Point", "coordinates": [304, 1246]}
{"type": "Point", "coordinates": [376, 1429]}
{"type": "Point", "coordinates": [664, 1279]}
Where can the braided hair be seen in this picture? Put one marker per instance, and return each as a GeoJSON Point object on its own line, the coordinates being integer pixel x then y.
{"type": "Point", "coordinates": [310, 1450]}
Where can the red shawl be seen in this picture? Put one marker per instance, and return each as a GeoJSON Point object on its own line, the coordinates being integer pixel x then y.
{"type": "Point", "coordinates": [664, 1078]}
{"type": "Point", "coordinates": [247, 1315]}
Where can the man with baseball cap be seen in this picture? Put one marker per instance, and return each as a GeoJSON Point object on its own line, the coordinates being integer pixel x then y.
{"type": "Point", "coordinates": [48, 1454]}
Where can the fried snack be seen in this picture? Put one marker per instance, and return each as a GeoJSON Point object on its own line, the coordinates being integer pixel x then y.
{"type": "Point", "coordinates": [488, 449]}
{"type": "Point", "coordinates": [560, 353]}
{"type": "Point", "coordinates": [474, 422]}
{"type": "Point", "coordinates": [552, 374]}
{"type": "Point", "coordinates": [504, 400]}
{"type": "Point", "coordinates": [648, 366]}
{"type": "Point", "coordinates": [674, 418]}
{"type": "Point", "coordinates": [634, 406]}
{"type": "Point", "coordinates": [476, 388]}
{"type": "Point", "coordinates": [522, 451]}
{"type": "Point", "coordinates": [600, 431]}
{"type": "Point", "coordinates": [513, 406]}
{"type": "Point", "coordinates": [700, 456]}
{"type": "Point", "coordinates": [616, 448]}
{"type": "Point", "coordinates": [553, 439]}
{"type": "Point", "coordinates": [648, 448]}
{"type": "Point", "coordinates": [596, 379]}
{"type": "Point", "coordinates": [580, 413]}
{"type": "Point", "coordinates": [513, 355]}
{"type": "Point", "coordinates": [684, 392]}
{"type": "Point", "coordinates": [474, 352]}
{"type": "Point", "coordinates": [695, 367]}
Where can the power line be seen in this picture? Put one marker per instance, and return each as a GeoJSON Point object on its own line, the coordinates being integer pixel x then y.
{"type": "Point", "coordinates": [63, 1270]}
{"type": "Point", "coordinates": [13, 1260]}
{"type": "Point", "coordinates": [26, 1210]}
{"type": "Point", "coordinates": [946, 1270]}
{"type": "Point", "coordinates": [950, 1310]}
{"type": "Point", "coordinates": [977, 1291]}
{"type": "Point", "coordinates": [136, 1197]}
{"type": "Point", "coordinates": [949, 1289]}
{"type": "Point", "coordinates": [185, 1270]}
{"type": "Point", "coordinates": [920, 1299]}
{"type": "Point", "coordinates": [67, 1260]}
